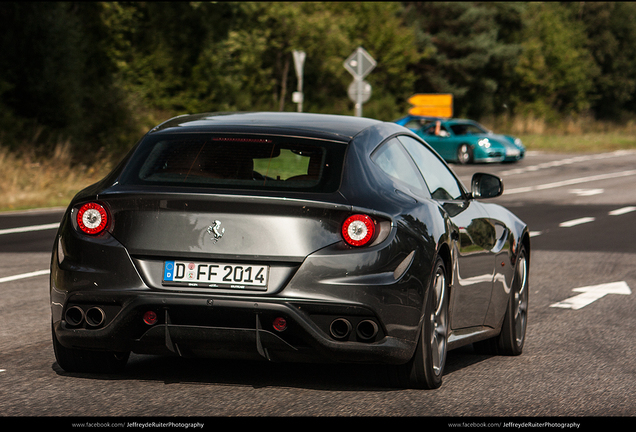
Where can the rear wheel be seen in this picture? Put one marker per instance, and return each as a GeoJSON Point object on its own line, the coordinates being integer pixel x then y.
{"type": "Point", "coordinates": [426, 368]}
{"type": "Point", "coordinates": [78, 360]}
{"type": "Point", "coordinates": [513, 331]}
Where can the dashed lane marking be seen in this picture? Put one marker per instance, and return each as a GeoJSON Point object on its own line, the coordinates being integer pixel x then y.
{"type": "Point", "coordinates": [622, 211]}
{"type": "Point", "coordinates": [567, 161]}
{"type": "Point", "coordinates": [576, 222]}
{"type": "Point", "coordinates": [580, 221]}
{"type": "Point", "coordinates": [570, 182]}
{"type": "Point", "coordinates": [586, 192]}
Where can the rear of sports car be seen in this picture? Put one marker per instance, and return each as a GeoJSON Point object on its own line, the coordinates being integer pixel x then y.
{"type": "Point", "coordinates": [229, 245]}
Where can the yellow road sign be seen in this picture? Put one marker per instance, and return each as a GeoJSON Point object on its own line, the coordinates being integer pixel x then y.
{"type": "Point", "coordinates": [434, 104]}
{"type": "Point", "coordinates": [431, 99]}
{"type": "Point", "coordinates": [432, 111]}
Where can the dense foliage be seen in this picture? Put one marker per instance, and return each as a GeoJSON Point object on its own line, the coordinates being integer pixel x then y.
{"type": "Point", "coordinates": [99, 73]}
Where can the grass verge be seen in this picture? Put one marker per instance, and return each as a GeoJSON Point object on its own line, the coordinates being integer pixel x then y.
{"type": "Point", "coordinates": [579, 143]}
{"type": "Point", "coordinates": [28, 181]}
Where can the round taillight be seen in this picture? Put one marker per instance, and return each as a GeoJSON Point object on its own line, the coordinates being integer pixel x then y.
{"type": "Point", "coordinates": [92, 218]}
{"type": "Point", "coordinates": [150, 318]}
{"type": "Point", "coordinates": [358, 230]}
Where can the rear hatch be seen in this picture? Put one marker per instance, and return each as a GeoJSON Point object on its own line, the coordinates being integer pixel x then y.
{"type": "Point", "coordinates": [227, 212]}
{"type": "Point", "coordinates": [215, 225]}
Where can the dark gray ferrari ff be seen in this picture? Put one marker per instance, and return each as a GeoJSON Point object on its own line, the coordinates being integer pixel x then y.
{"type": "Point", "coordinates": [287, 237]}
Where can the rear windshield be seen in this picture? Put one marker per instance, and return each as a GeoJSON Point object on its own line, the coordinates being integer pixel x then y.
{"type": "Point", "coordinates": [270, 163]}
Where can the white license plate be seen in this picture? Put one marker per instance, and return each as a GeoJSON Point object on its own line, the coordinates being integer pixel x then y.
{"type": "Point", "coordinates": [215, 275]}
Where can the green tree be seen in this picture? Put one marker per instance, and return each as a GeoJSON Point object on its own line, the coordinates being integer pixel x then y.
{"type": "Point", "coordinates": [252, 68]}
{"type": "Point", "coordinates": [611, 38]}
{"type": "Point", "coordinates": [468, 51]}
{"type": "Point", "coordinates": [555, 73]}
{"type": "Point", "coordinates": [156, 46]}
{"type": "Point", "coordinates": [383, 30]}
{"type": "Point", "coordinates": [56, 77]}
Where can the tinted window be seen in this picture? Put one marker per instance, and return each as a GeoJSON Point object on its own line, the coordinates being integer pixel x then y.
{"type": "Point", "coordinates": [467, 129]}
{"type": "Point", "coordinates": [440, 180]}
{"type": "Point", "coordinates": [394, 161]}
{"type": "Point", "coordinates": [237, 162]}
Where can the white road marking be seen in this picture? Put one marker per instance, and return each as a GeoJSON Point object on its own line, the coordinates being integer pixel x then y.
{"type": "Point", "coordinates": [586, 192]}
{"type": "Point", "coordinates": [592, 293]}
{"type": "Point", "coordinates": [568, 161]}
{"type": "Point", "coordinates": [622, 211]}
{"type": "Point", "coordinates": [576, 222]}
{"type": "Point", "coordinates": [25, 275]}
{"type": "Point", "coordinates": [570, 182]}
{"type": "Point", "coordinates": [29, 228]}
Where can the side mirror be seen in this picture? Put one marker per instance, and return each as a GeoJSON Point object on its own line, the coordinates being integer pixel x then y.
{"type": "Point", "coordinates": [486, 186]}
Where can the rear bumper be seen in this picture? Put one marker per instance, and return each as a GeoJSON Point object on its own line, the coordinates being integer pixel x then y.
{"type": "Point", "coordinates": [514, 157]}
{"type": "Point", "coordinates": [198, 326]}
{"type": "Point", "coordinates": [99, 280]}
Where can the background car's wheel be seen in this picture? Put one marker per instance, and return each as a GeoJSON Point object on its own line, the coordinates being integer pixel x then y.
{"type": "Point", "coordinates": [513, 331]}
{"type": "Point", "coordinates": [426, 368]}
{"type": "Point", "coordinates": [464, 154]}
{"type": "Point", "coordinates": [77, 360]}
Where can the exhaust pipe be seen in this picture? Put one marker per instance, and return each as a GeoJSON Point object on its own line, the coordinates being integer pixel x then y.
{"type": "Point", "coordinates": [367, 330]}
{"type": "Point", "coordinates": [340, 328]}
{"type": "Point", "coordinates": [95, 317]}
{"type": "Point", "coordinates": [74, 316]}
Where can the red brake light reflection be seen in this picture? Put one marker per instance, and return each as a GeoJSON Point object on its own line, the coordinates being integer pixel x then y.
{"type": "Point", "coordinates": [358, 230]}
{"type": "Point", "coordinates": [150, 318]}
{"type": "Point", "coordinates": [279, 324]}
{"type": "Point", "coordinates": [92, 218]}
{"type": "Point", "coordinates": [244, 140]}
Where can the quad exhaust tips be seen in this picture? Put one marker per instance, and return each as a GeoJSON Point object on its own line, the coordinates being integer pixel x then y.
{"type": "Point", "coordinates": [75, 316]}
{"type": "Point", "coordinates": [341, 328]}
{"type": "Point", "coordinates": [366, 330]}
{"type": "Point", "coordinates": [95, 317]}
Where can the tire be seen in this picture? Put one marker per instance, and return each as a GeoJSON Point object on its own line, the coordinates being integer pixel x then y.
{"type": "Point", "coordinates": [512, 337]}
{"type": "Point", "coordinates": [426, 368]}
{"type": "Point", "coordinates": [78, 360]}
{"type": "Point", "coordinates": [465, 154]}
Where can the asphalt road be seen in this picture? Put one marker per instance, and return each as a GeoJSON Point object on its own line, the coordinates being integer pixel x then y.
{"type": "Point", "coordinates": [579, 360]}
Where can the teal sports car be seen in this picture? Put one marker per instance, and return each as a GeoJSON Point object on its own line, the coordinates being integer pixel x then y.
{"type": "Point", "coordinates": [464, 141]}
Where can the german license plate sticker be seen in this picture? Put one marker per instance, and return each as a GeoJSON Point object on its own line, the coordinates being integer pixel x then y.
{"type": "Point", "coordinates": [215, 275]}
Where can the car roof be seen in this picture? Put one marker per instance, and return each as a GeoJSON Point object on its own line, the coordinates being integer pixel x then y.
{"type": "Point", "coordinates": [441, 119]}
{"type": "Point", "coordinates": [419, 117]}
{"type": "Point", "coordinates": [461, 121]}
{"type": "Point", "coordinates": [325, 126]}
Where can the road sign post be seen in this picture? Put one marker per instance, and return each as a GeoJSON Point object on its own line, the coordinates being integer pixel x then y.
{"type": "Point", "coordinates": [359, 64]}
{"type": "Point", "coordinates": [299, 62]}
{"type": "Point", "coordinates": [359, 90]}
